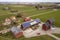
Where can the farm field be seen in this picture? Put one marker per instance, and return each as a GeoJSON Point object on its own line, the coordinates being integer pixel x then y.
{"type": "Point", "coordinates": [58, 35]}
{"type": "Point", "coordinates": [29, 11]}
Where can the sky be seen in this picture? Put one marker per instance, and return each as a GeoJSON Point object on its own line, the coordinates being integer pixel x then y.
{"type": "Point", "coordinates": [29, 0]}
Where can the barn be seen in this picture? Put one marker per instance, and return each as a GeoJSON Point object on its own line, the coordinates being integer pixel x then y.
{"type": "Point", "coordinates": [49, 24]}
{"type": "Point", "coordinates": [16, 32]}
{"type": "Point", "coordinates": [30, 23]}
{"type": "Point", "coordinates": [46, 26]}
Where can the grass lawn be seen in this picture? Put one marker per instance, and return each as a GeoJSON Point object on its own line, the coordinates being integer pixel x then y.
{"type": "Point", "coordinates": [58, 35]}
{"type": "Point", "coordinates": [10, 37]}
{"type": "Point", "coordinates": [55, 15]}
{"type": "Point", "coordinates": [28, 11]}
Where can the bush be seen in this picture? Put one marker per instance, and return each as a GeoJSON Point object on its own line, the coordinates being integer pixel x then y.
{"type": "Point", "coordinates": [19, 15]}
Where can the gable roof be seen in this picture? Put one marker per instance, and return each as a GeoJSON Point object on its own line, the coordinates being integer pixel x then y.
{"type": "Point", "coordinates": [51, 20]}
{"type": "Point", "coordinates": [47, 24]}
{"type": "Point", "coordinates": [30, 23]}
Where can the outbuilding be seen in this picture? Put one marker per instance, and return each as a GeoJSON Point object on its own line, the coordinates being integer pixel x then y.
{"type": "Point", "coordinates": [16, 32]}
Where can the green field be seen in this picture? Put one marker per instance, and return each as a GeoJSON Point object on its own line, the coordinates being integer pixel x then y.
{"type": "Point", "coordinates": [58, 35]}
{"type": "Point", "coordinates": [28, 11]}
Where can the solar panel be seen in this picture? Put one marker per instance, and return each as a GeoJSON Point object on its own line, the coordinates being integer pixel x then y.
{"type": "Point", "coordinates": [30, 23]}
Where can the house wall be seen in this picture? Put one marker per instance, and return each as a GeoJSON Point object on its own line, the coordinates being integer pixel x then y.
{"type": "Point", "coordinates": [44, 27]}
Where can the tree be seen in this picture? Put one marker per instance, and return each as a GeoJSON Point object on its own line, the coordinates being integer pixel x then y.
{"type": "Point", "coordinates": [19, 15]}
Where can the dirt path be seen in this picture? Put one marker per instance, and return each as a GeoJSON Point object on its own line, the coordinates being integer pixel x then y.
{"type": "Point", "coordinates": [57, 38]}
{"type": "Point", "coordinates": [56, 30]}
{"type": "Point", "coordinates": [42, 13]}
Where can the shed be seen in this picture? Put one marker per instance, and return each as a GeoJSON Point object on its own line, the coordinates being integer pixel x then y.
{"type": "Point", "coordinates": [30, 23]}
{"type": "Point", "coordinates": [17, 32]}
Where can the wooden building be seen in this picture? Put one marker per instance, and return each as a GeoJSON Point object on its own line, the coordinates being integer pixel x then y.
{"type": "Point", "coordinates": [51, 21]}
{"type": "Point", "coordinates": [46, 26]}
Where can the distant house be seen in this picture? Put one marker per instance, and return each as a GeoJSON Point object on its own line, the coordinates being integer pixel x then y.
{"type": "Point", "coordinates": [17, 32]}
{"type": "Point", "coordinates": [30, 23]}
